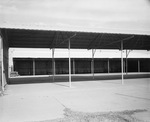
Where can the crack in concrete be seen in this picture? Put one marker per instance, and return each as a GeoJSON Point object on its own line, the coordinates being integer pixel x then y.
{"type": "Point", "coordinates": [59, 102]}
{"type": "Point", "coordinates": [132, 96]}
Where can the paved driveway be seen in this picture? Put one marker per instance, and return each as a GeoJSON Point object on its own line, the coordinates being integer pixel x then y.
{"type": "Point", "coordinates": [45, 101]}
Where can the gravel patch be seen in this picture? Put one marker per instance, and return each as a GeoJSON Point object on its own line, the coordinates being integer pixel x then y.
{"type": "Point", "coordinates": [74, 116]}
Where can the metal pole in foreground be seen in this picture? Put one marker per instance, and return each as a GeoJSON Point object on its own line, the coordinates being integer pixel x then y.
{"type": "Point", "coordinates": [122, 81]}
{"type": "Point", "coordinates": [69, 63]}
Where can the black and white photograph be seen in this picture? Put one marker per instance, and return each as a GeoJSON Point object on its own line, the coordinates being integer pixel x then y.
{"type": "Point", "coordinates": [74, 60]}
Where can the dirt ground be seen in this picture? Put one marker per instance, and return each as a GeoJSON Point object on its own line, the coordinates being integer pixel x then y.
{"type": "Point", "coordinates": [73, 116]}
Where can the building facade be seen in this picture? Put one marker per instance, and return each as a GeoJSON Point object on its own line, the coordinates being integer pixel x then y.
{"type": "Point", "coordinates": [43, 66]}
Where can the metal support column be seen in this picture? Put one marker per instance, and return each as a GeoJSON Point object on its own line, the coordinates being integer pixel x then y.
{"type": "Point", "coordinates": [74, 68]}
{"type": "Point", "coordinates": [54, 67]}
{"type": "Point", "coordinates": [69, 63]}
{"type": "Point", "coordinates": [2, 64]}
{"type": "Point", "coordinates": [53, 64]}
{"type": "Point", "coordinates": [126, 62]}
{"type": "Point", "coordinates": [122, 62]}
{"type": "Point", "coordinates": [108, 65]}
{"type": "Point", "coordinates": [127, 54]}
{"type": "Point", "coordinates": [138, 65]}
{"type": "Point", "coordinates": [124, 66]}
{"type": "Point", "coordinates": [33, 66]}
{"type": "Point", "coordinates": [92, 63]}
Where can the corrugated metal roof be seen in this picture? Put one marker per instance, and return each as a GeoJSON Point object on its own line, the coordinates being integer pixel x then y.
{"type": "Point", "coordinates": [81, 40]}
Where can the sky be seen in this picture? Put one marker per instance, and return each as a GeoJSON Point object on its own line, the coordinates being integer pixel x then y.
{"type": "Point", "coordinates": [124, 16]}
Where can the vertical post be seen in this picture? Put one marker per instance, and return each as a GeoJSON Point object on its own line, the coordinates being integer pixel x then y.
{"type": "Point", "coordinates": [122, 62]}
{"type": "Point", "coordinates": [53, 63]}
{"type": "Point", "coordinates": [138, 65]}
{"type": "Point", "coordinates": [124, 66]}
{"type": "Point", "coordinates": [74, 70]}
{"type": "Point", "coordinates": [33, 66]}
{"type": "Point", "coordinates": [2, 64]}
{"type": "Point", "coordinates": [92, 65]}
{"type": "Point", "coordinates": [69, 63]}
{"type": "Point", "coordinates": [11, 63]}
{"type": "Point", "coordinates": [108, 65]}
{"type": "Point", "coordinates": [126, 61]}
{"type": "Point", "coordinates": [54, 67]}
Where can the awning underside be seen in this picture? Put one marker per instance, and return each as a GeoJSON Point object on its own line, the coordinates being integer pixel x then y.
{"type": "Point", "coordinates": [22, 38]}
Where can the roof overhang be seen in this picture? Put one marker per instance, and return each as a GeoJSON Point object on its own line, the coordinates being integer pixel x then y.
{"type": "Point", "coordinates": [22, 38]}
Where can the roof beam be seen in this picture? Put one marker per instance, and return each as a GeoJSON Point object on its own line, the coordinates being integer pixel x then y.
{"type": "Point", "coordinates": [54, 41]}
{"type": "Point", "coordinates": [130, 37]}
{"type": "Point", "coordinates": [66, 39]}
{"type": "Point", "coordinates": [93, 43]}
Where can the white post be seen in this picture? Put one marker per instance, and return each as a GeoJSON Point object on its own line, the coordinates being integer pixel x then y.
{"type": "Point", "coordinates": [54, 68]}
{"type": "Point", "coordinates": [138, 65]}
{"type": "Point", "coordinates": [122, 62]}
{"type": "Point", "coordinates": [126, 62]}
{"type": "Point", "coordinates": [2, 64]}
{"type": "Point", "coordinates": [74, 68]}
{"type": "Point", "coordinates": [127, 54]}
{"type": "Point", "coordinates": [69, 63]}
{"type": "Point", "coordinates": [33, 66]}
{"type": "Point", "coordinates": [93, 62]}
{"type": "Point", "coordinates": [124, 66]}
{"type": "Point", "coordinates": [108, 65]}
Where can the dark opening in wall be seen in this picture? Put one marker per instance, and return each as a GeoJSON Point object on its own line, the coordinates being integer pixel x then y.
{"type": "Point", "coordinates": [145, 65]}
{"type": "Point", "coordinates": [23, 67]}
{"type": "Point", "coordinates": [101, 66]}
{"type": "Point", "coordinates": [82, 66]}
{"type": "Point", "coordinates": [43, 67]}
{"type": "Point", "coordinates": [78, 66]}
{"type": "Point", "coordinates": [115, 65]}
{"type": "Point", "coordinates": [132, 65]}
{"type": "Point", "coordinates": [62, 66]}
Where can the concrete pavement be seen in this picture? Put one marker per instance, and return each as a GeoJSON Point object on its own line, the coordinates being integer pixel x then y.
{"type": "Point", "coordinates": [46, 101]}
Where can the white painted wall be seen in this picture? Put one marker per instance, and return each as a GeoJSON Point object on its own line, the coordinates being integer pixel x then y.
{"type": "Point", "coordinates": [75, 53]}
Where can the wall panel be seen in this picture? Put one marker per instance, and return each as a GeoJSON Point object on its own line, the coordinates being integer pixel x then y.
{"type": "Point", "coordinates": [23, 67]}
{"type": "Point", "coordinates": [100, 66]}
{"type": "Point", "coordinates": [145, 65]}
{"type": "Point", "coordinates": [115, 65]}
{"type": "Point", "coordinates": [43, 67]}
{"type": "Point", "coordinates": [82, 66]}
{"type": "Point", "coordinates": [132, 65]}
